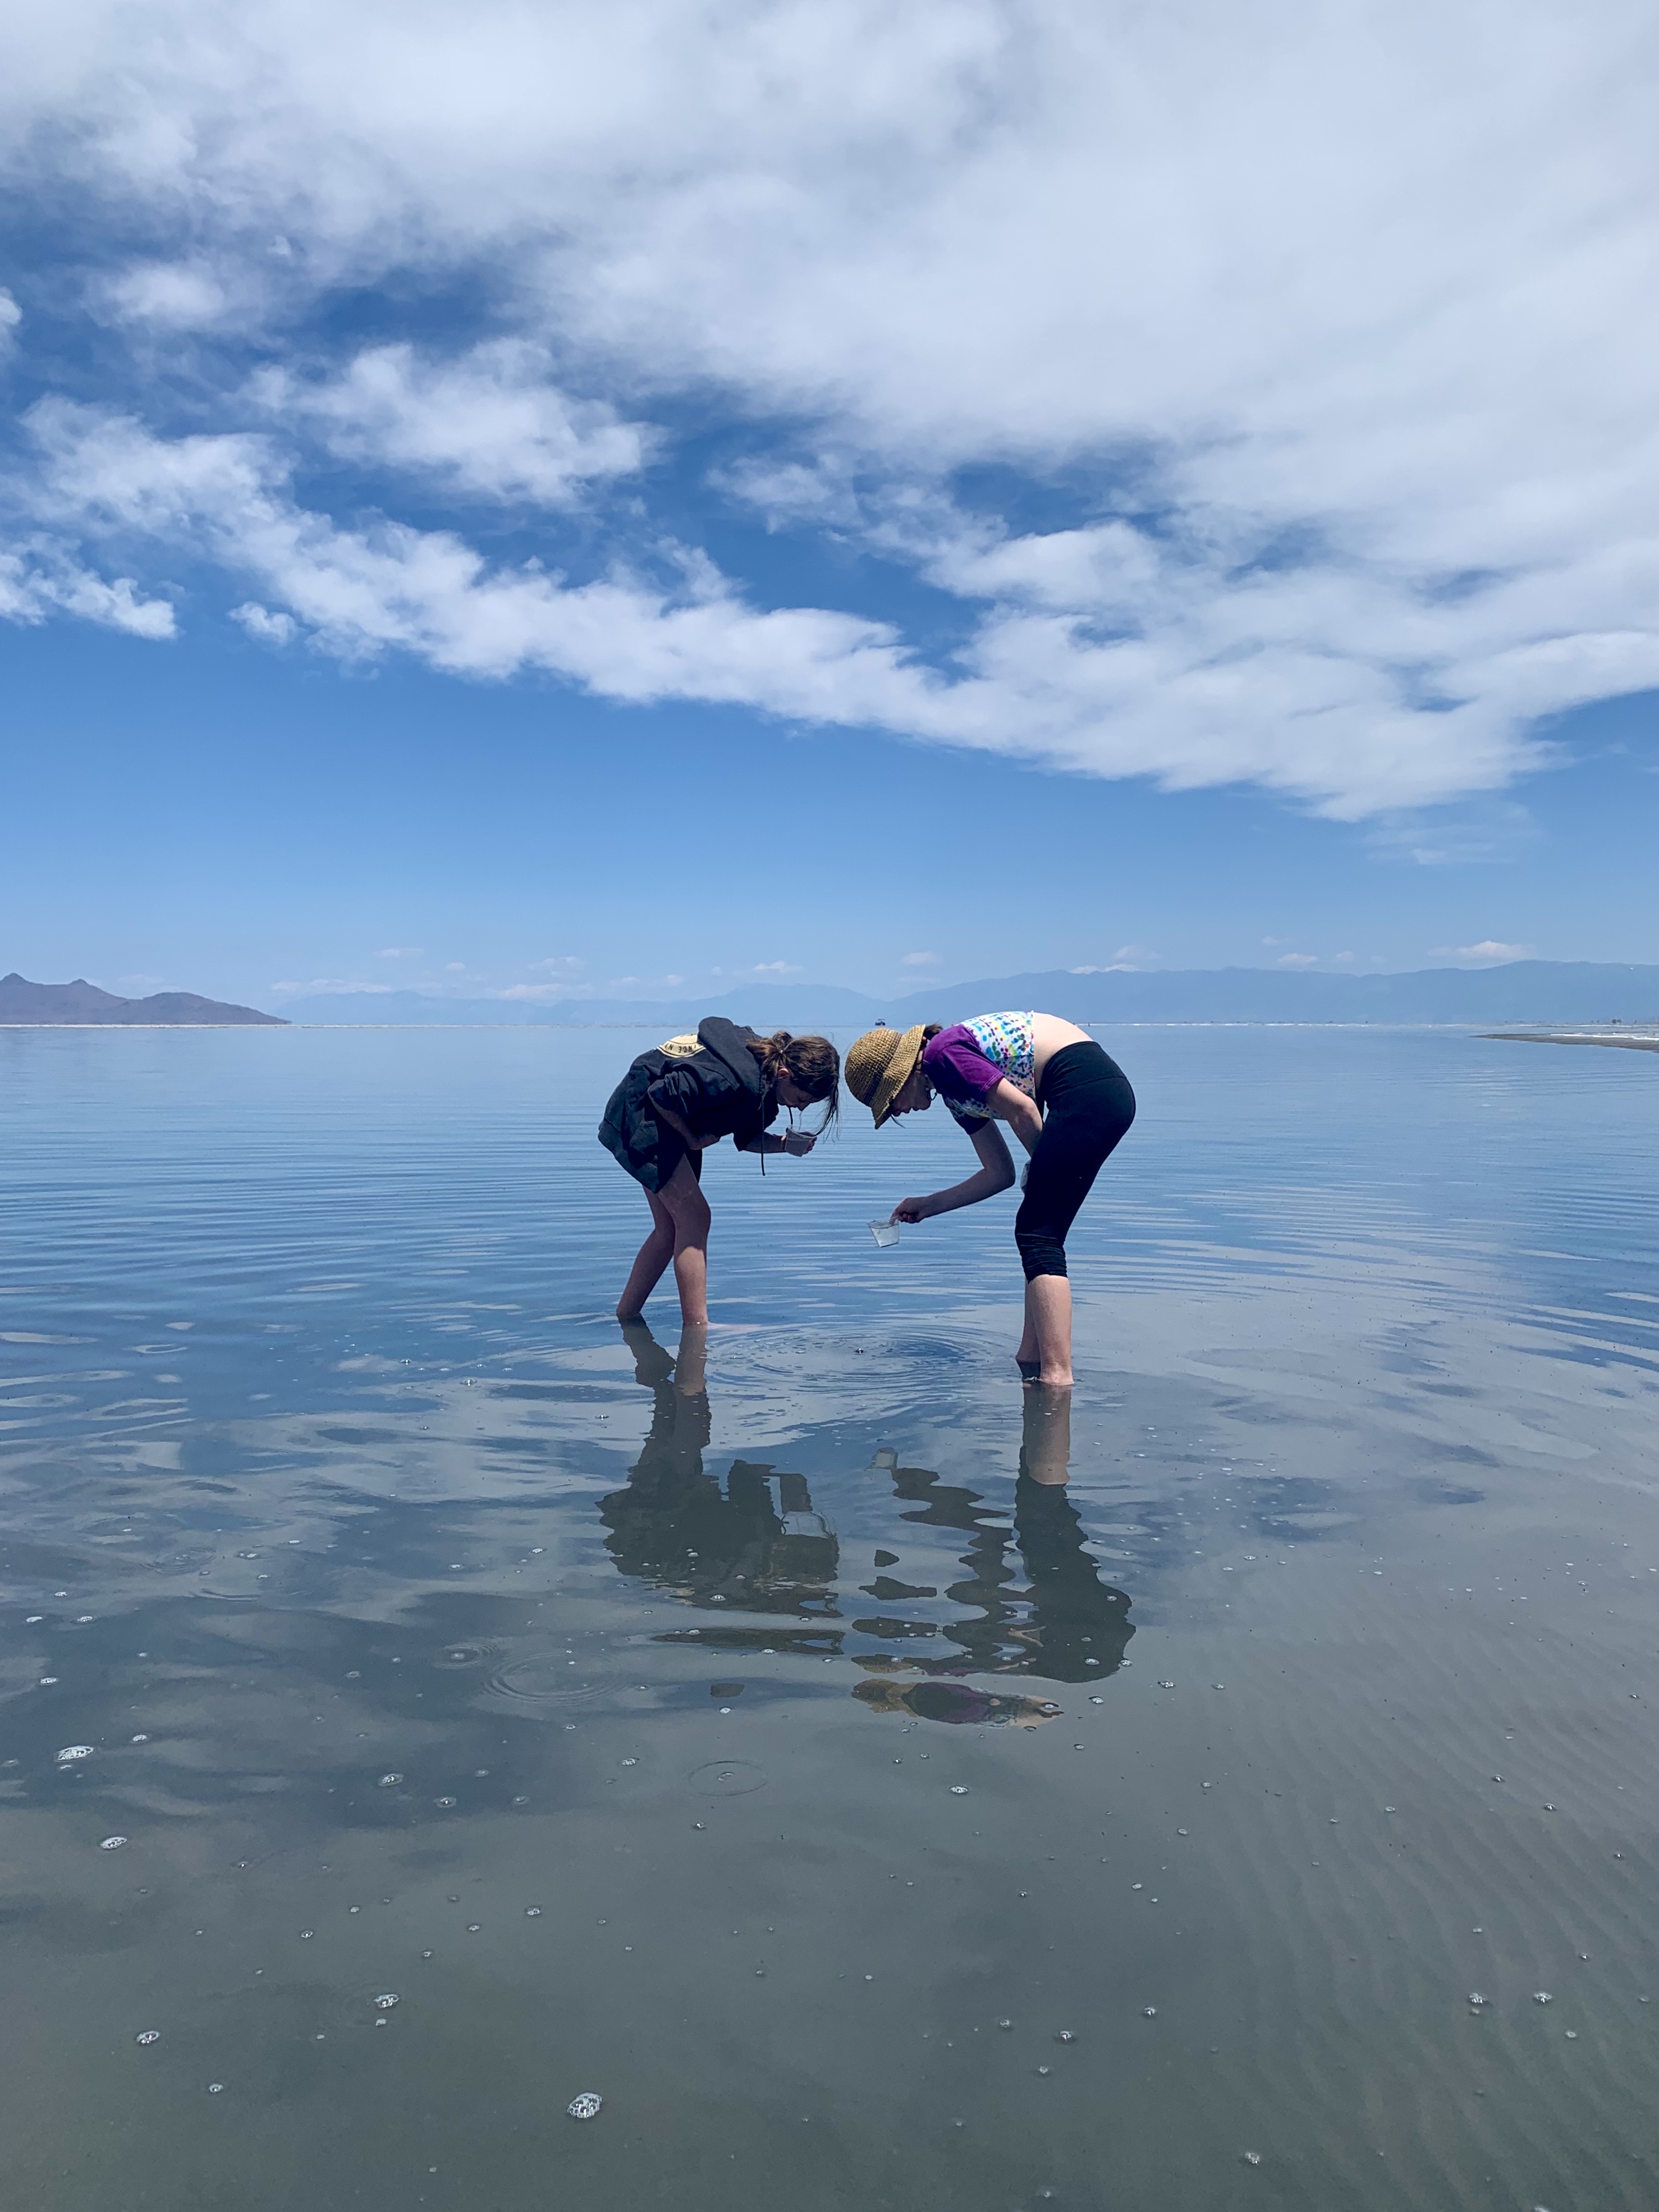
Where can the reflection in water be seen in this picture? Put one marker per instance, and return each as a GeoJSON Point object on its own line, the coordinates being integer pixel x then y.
{"type": "Point", "coordinates": [758, 1546]}
{"type": "Point", "coordinates": [953, 1701]}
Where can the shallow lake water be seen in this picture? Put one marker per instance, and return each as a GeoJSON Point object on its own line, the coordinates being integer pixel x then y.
{"type": "Point", "coordinates": [424, 1703]}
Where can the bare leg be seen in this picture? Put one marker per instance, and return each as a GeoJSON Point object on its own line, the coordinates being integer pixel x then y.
{"type": "Point", "coordinates": [1047, 1432]}
{"type": "Point", "coordinates": [1048, 1328]}
{"type": "Point", "coordinates": [653, 1258]}
{"type": "Point", "coordinates": [682, 1199]}
{"type": "Point", "coordinates": [690, 1368]}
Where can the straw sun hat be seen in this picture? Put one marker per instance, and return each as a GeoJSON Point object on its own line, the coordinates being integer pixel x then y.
{"type": "Point", "coordinates": [879, 1064]}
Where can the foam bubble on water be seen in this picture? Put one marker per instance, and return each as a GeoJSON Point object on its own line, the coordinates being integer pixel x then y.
{"type": "Point", "coordinates": [1252, 2157]}
{"type": "Point", "coordinates": [1476, 2000]}
{"type": "Point", "coordinates": [141, 1739]}
{"type": "Point", "coordinates": [384, 2001]}
{"type": "Point", "coordinates": [306, 1934]}
{"type": "Point", "coordinates": [586, 2106]}
{"type": "Point", "coordinates": [1005, 2023]}
{"type": "Point", "coordinates": [1542, 1996]}
{"type": "Point", "coordinates": [445, 1801]}
{"type": "Point", "coordinates": [1066, 2035]}
{"type": "Point", "coordinates": [214, 2088]}
{"type": "Point", "coordinates": [149, 2035]}
{"type": "Point", "coordinates": [34, 1619]}
{"type": "Point", "coordinates": [959, 1789]}
{"type": "Point", "coordinates": [48, 1682]}
{"type": "Point", "coordinates": [1166, 1686]}
{"type": "Point", "coordinates": [1149, 2012]}
{"type": "Point", "coordinates": [71, 1752]}
{"type": "Point", "coordinates": [112, 1843]}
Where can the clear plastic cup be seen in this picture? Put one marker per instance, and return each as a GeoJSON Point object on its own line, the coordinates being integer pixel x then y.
{"type": "Point", "coordinates": [885, 1232]}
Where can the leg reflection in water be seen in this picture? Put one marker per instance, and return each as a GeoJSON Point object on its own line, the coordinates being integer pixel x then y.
{"type": "Point", "coordinates": [1066, 1626]}
{"type": "Point", "coordinates": [755, 1546]}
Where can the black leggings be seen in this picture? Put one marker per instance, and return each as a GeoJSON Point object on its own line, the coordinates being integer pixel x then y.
{"type": "Point", "coordinates": [1087, 1108]}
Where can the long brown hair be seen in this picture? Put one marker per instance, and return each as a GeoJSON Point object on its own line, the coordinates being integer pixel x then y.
{"type": "Point", "coordinates": [810, 1063]}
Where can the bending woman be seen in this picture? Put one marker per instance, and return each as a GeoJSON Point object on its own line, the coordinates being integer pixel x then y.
{"type": "Point", "coordinates": [674, 1103]}
{"type": "Point", "coordinates": [1068, 1103]}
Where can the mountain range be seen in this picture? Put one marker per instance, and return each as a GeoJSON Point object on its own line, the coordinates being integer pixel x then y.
{"type": "Point", "coordinates": [1520, 991]}
{"type": "Point", "coordinates": [83, 1004]}
{"type": "Point", "coordinates": [1525, 991]}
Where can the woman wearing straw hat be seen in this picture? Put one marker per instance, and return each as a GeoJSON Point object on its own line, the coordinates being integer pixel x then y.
{"type": "Point", "coordinates": [1067, 1101]}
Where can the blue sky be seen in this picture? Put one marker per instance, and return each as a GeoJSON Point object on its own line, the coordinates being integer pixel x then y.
{"type": "Point", "coordinates": [559, 504]}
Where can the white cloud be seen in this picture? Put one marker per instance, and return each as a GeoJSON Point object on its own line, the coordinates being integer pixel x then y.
{"type": "Point", "coordinates": [167, 295]}
{"type": "Point", "coordinates": [775, 967]}
{"type": "Point", "coordinates": [491, 422]}
{"type": "Point", "coordinates": [263, 626]}
{"type": "Point", "coordinates": [400, 952]}
{"type": "Point", "coordinates": [920, 960]}
{"type": "Point", "coordinates": [1296, 960]}
{"type": "Point", "coordinates": [1490, 950]}
{"type": "Point", "coordinates": [1348, 308]}
{"type": "Point", "coordinates": [10, 316]}
{"type": "Point", "coordinates": [45, 581]}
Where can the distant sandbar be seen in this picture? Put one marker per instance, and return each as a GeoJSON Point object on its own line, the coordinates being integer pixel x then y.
{"type": "Point", "coordinates": [1621, 1040]}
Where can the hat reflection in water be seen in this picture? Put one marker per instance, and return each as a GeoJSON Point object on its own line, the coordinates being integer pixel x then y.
{"type": "Point", "coordinates": [1067, 1101]}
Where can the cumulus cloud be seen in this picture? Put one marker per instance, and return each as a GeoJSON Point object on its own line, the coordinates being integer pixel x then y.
{"type": "Point", "coordinates": [492, 423]}
{"type": "Point", "coordinates": [1326, 337]}
{"type": "Point", "coordinates": [42, 580]}
{"type": "Point", "coordinates": [1296, 960]}
{"type": "Point", "coordinates": [920, 960]}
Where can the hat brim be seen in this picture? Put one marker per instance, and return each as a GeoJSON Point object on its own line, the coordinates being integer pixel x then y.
{"type": "Point", "coordinates": [897, 1074]}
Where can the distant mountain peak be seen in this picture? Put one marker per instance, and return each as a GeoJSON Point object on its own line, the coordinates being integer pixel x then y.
{"type": "Point", "coordinates": [79, 1005]}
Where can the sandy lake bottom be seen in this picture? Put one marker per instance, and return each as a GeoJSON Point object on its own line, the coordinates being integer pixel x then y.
{"type": "Point", "coordinates": [420, 1703]}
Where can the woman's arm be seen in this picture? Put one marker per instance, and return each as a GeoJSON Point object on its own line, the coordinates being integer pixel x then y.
{"type": "Point", "coordinates": [798, 1143]}
{"type": "Point", "coordinates": [672, 1119]}
{"type": "Point", "coordinates": [996, 1172]}
{"type": "Point", "coordinates": [1022, 1114]}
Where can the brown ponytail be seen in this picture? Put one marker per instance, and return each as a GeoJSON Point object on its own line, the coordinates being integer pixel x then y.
{"type": "Point", "coordinates": [810, 1063]}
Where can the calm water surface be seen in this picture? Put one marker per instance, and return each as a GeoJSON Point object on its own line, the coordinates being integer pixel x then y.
{"type": "Point", "coordinates": [767, 1748]}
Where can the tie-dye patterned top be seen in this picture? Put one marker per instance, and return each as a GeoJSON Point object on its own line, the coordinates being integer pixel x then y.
{"type": "Point", "coordinates": [965, 1063]}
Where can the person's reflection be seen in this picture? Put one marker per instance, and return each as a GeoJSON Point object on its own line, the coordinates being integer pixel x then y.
{"type": "Point", "coordinates": [1066, 1626]}
{"type": "Point", "coordinates": [756, 1547]}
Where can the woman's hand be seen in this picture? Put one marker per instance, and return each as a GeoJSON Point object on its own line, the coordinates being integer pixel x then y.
{"type": "Point", "coordinates": [912, 1210]}
{"type": "Point", "coordinates": [798, 1143]}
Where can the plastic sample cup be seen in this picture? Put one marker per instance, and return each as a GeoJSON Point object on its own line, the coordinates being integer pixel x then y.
{"type": "Point", "coordinates": [885, 1232]}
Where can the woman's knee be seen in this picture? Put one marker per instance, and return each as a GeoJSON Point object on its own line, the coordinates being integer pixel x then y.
{"type": "Point", "coordinates": [689, 1211]}
{"type": "Point", "coordinates": [1039, 1243]}
{"type": "Point", "coordinates": [1041, 1252]}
